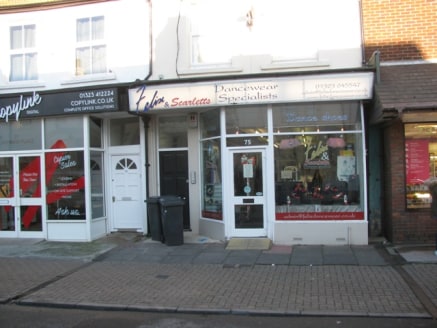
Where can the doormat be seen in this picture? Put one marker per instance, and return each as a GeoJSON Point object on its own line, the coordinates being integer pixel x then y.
{"type": "Point", "coordinates": [249, 243]}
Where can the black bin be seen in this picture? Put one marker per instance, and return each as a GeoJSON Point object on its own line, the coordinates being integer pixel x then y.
{"type": "Point", "coordinates": [154, 215]}
{"type": "Point", "coordinates": [172, 209]}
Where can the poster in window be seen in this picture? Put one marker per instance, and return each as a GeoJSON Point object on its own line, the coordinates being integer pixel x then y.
{"type": "Point", "coordinates": [65, 182]}
{"type": "Point", "coordinates": [417, 160]}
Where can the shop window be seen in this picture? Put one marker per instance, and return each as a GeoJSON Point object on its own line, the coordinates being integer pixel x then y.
{"type": "Point", "coordinates": [91, 47]}
{"type": "Point", "coordinates": [206, 38]}
{"type": "Point", "coordinates": [64, 132]}
{"type": "Point", "coordinates": [65, 183]}
{"type": "Point", "coordinates": [97, 185]}
{"type": "Point", "coordinates": [210, 124]}
{"type": "Point", "coordinates": [246, 120]}
{"type": "Point", "coordinates": [124, 132]}
{"type": "Point", "coordinates": [7, 217]}
{"type": "Point", "coordinates": [20, 135]}
{"type": "Point", "coordinates": [319, 167]}
{"type": "Point", "coordinates": [212, 198]}
{"type": "Point", "coordinates": [23, 53]}
{"type": "Point", "coordinates": [420, 163]}
{"type": "Point", "coordinates": [95, 132]}
{"type": "Point", "coordinates": [173, 132]}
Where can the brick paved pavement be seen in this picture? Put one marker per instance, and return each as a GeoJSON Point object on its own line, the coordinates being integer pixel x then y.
{"type": "Point", "coordinates": [352, 290]}
{"type": "Point", "coordinates": [353, 281]}
{"type": "Point", "coordinates": [19, 275]}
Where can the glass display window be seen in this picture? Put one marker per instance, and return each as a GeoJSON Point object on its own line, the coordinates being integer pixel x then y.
{"type": "Point", "coordinates": [67, 131]}
{"type": "Point", "coordinates": [20, 135]}
{"type": "Point", "coordinates": [65, 185]}
{"type": "Point", "coordinates": [318, 162]}
{"type": "Point", "coordinates": [212, 195]}
{"type": "Point", "coordinates": [420, 163]}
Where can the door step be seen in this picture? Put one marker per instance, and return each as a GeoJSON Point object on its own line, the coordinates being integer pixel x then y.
{"type": "Point", "coordinates": [249, 244]}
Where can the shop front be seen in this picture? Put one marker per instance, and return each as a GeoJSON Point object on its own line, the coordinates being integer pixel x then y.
{"type": "Point", "coordinates": [405, 119]}
{"type": "Point", "coordinates": [281, 157]}
{"type": "Point", "coordinates": [61, 154]}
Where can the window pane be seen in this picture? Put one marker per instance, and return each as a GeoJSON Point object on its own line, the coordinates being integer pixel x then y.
{"type": "Point", "coordinates": [212, 185]}
{"type": "Point", "coordinates": [65, 132]}
{"type": "Point", "coordinates": [83, 64]}
{"type": "Point", "coordinates": [318, 174]}
{"type": "Point", "coordinates": [246, 120]}
{"type": "Point", "coordinates": [82, 29]}
{"type": "Point", "coordinates": [95, 132]}
{"type": "Point", "coordinates": [210, 123]}
{"type": "Point", "coordinates": [316, 117]}
{"type": "Point", "coordinates": [125, 131]}
{"type": "Point", "coordinates": [173, 132]}
{"type": "Point", "coordinates": [16, 37]}
{"type": "Point", "coordinates": [99, 59]}
{"type": "Point", "coordinates": [98, 28]}
{"type": "Point", "coordinates": [20, 135]}
{"type": "Point", "coordinates": [65, 182]}
{"type": "Point", "coordinates": [29, 36]}
{"type": "Point", "coordinates": [17, 67]}
{"type": "Point", "coordinates": [420, 164]}
{"type": "Point", "coordinates": [97, 185]}
{"type": "Point", "coordinates": [31, 66]}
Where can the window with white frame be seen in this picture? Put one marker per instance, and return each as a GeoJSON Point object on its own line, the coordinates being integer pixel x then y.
{"type": "Point", "coordinates": [23, 53]}
{"type": "Point", "coordinates": [215, 38]}
{"type": "Point", "coordinates": [91, 47]}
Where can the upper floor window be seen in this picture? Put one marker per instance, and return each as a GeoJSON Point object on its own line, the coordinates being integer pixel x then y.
{"type": "Point", "coordinates": [23, 53]}
{"type": "Point", "coordinates": [91, 47]}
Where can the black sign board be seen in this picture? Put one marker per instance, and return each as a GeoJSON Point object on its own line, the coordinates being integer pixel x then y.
{"type": "Point", "coordinates": [37, 105]}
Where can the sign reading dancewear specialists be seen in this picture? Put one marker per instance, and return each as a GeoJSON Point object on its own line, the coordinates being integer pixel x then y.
{"type": "Point", "coordinates": [328, 87]}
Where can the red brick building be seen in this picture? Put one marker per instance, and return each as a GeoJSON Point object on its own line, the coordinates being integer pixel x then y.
{"type": "Point", "coordinates": [400, 40]}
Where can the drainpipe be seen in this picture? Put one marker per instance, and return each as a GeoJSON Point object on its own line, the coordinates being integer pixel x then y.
{"type": "Point", "coordinates": [150, 42]}
{"type": "Point", "coordinates": [363, 50]}
{"type": "Point", "coordinates": [146, 119]}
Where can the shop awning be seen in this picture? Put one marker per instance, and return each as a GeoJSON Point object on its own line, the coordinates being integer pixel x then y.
{"type": "Point", "coordinates": [405, 90]}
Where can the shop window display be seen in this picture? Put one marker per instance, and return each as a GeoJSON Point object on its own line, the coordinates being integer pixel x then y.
{"type": "Point", "coordinates": [318, 163]}
{"type": "Point", "coordinates": [65, 183]}
{"type": "Point", "coordinates": [420, 163]}
{"type": "Point", "coordinates": [212, 197]}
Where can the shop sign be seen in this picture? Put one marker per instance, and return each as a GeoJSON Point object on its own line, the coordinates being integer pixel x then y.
{"type": "Point", "coordinates": [348, 86]}
{"type": "Point", "coordinates": [38, 105]}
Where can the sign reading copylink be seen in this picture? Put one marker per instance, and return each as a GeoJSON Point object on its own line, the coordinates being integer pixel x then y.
{"type": "Point", "coordinates": [351, 86]}
{"type": "Point", "coordinates": [37, 105]}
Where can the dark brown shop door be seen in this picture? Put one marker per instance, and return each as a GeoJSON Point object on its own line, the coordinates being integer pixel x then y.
{"type": "Point", "coordinates": [173, 168]}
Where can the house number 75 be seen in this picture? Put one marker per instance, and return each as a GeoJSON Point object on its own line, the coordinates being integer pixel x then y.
{"type": "Point", "coordinates": [247, 142]}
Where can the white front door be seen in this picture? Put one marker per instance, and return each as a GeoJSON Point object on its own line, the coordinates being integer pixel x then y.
{"type": "Point", "coordinates": [127, 200]}
{"type": "Point", "coordinates": [247, 210]}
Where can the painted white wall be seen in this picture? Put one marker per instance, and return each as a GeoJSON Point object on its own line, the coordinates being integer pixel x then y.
{"type": "Point", "coordinates": [285, 36]}
{"type": "Point", "coordinates": [126, 36]}
{"type": "Point", "coordinates": [294, 35]}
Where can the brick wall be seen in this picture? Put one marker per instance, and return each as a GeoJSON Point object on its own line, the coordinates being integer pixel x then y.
{"type": "Point", "coordinates": [402, 226]}
{"type": "Point", "coordinates": [400, 29]}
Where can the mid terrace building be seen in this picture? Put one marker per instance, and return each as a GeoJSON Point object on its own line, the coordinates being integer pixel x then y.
{"type": "Point", "coordinates": [254, 112]}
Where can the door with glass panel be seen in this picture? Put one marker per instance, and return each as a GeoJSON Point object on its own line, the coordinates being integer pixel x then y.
{"type": "Point", "coordinates": [248, 198]}
{"type": "Point", "coordinates": [20, 196]}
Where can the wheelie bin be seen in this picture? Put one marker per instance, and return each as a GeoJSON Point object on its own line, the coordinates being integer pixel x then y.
{"type": "Point", "coordinates": [172, 209]}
